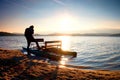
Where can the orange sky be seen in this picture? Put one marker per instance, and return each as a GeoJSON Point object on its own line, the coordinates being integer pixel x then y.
{"type": "Point", "coordinates": [58, 16]}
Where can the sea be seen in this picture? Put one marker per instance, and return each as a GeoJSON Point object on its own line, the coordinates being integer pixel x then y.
{"type": "Point", "coordinates": [94, 52]}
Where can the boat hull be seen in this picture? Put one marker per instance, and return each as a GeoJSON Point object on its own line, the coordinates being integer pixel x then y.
{"type": "Point", "coordinates": [51, 53]}
{"type": "Point", "coordinates": [45, 54]}
{"type": "Point", "coordinates": [61, 52]}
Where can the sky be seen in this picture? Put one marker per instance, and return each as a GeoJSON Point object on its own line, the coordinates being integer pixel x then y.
{"type": "Point", "coordinates": [60, 16]}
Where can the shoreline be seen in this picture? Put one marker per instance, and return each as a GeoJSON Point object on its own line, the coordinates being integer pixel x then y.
{"type": "Point", "coordinates": [16, 65]}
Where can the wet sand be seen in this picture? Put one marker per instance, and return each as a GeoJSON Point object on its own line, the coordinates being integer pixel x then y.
{"type": "Point", "coordinates": [14, 65]}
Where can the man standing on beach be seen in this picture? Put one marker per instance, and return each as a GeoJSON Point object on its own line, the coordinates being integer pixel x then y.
{"type": "Point", "coordinates": [29, 37]}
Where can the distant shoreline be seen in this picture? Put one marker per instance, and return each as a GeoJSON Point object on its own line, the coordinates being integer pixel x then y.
{"type": "Point", "coordinates": [59, 34]}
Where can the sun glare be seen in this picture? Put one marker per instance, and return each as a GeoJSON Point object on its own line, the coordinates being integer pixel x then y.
{"type": "Point", "coordinates": [65, 42]}
{"type": "Point", "coordinates": [63, 61]}
{"type": "Point", "coordinates": [66, 23]}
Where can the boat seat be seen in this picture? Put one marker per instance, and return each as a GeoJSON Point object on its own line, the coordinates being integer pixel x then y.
{"type": "Point", "coordinates": [41, 40]}
{"type": "Point", "coordinates": [38, 40]}
{"type": "Point", "coordinates": [51, 44]}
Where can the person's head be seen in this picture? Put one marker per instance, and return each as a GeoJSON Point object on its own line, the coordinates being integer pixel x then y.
{"type": "Point", "coordinates": [31, 26]}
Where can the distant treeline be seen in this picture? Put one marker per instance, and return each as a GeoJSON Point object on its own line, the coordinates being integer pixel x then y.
{"type": "Point", "coordinates": [59, 34]}
{"type": "Point", "coordinates": [9, 34]}
{"type": "Point", "coordinates": [87, 34]}
{"type": "Point", "coordinates": [99, 34]}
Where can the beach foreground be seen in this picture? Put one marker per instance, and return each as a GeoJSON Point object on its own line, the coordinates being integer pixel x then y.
{"type": "Point", "coordinates": [17, 66]}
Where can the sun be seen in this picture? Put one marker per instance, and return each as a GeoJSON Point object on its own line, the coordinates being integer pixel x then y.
{"type": "Point", "coordinates": [67, 23]}
{"type": "Point", "coordinates": [61, 23]}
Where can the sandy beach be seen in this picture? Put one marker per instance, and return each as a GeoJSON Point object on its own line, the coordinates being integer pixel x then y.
{"type": "Point", "coordinates": [14, 65]}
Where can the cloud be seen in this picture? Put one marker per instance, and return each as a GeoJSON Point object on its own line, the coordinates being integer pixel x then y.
{"type": "Point", "coordinates": [59, 2]}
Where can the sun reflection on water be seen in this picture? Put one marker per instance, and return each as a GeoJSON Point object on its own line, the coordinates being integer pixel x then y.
{"type": "Point", "coordinates": [63, 61]}
{"type": "Point", "coordinates": [66, 47]}
{"type": "Point", "coordinates": [65, 42]}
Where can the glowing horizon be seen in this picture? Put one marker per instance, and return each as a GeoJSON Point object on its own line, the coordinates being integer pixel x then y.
{"type": "Point", "coordinates": [58, 16]}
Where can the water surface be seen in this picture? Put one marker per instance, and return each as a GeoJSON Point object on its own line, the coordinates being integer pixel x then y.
{"type": "Point", "coordinates": [96, 52]}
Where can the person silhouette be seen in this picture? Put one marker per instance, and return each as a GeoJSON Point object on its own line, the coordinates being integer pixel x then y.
{"type": "Point", "coordinates": [29, 37]}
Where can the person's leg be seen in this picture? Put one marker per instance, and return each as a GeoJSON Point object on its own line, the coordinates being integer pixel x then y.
{"type": "Point", "coordinates": [37, 44]}
{"type": "Point", "coordinates": [36, 41]}
{"type": "Point", "coordinates": [28, 45]}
